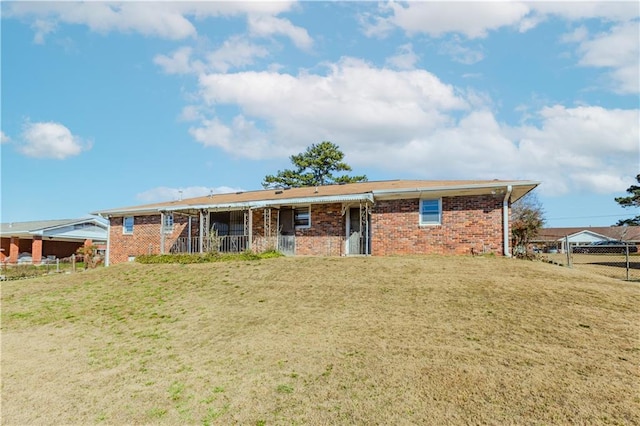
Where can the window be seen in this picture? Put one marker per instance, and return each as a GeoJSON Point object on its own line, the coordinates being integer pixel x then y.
{"type": "Point", "coordinates": [167, 226]}
{"type": "Point", "coordinates": [127, 225]}
{"type": "Point", "coordinates": [430, 212]}
{"type": "Point", "coordinates": [302, 217]}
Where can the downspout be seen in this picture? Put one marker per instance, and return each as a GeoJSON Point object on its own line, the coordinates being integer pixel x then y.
{"type": "Point", "coordinates": [108, 253]}
{"type": "Point", "coordinates": [505, 221]}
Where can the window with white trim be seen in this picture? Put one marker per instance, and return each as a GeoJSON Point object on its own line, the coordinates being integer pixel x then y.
{"type": "Point", "coordinates": [127, 225]}
{"type": "Point", "coordinates": [302, 217]}
{"type": "Point", "coordinates": [431, 212]}
{"type": "Point", "coordinates": [167, 225]}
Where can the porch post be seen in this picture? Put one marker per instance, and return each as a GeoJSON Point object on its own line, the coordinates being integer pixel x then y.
{"type": "Point", "coordinates": [161, 232]}
{"type": "Point", "coordinates": [278, 230]}
{"type": "Point", "coordinates": [14, 249]}
{"type": "Point", "coordinates": [201, 231]}
{"type": "Point", "coordinates": [189, 235]}
{"type": "Point", "coordinates": [36, 249]}
{"type": "Point", "coordinates": [250, 225]}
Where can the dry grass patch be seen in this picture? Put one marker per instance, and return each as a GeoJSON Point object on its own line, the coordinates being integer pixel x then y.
{"type": "Point", "coordinates": [442, 340]}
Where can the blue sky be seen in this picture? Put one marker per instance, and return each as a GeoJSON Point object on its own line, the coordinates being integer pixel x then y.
{"type": "Point", "coordinates": [115, 104]}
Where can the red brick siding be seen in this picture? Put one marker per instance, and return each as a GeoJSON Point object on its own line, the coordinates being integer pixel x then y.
{"type": "Point", "coordinates": [5, 244]}
{"type": "Point", "coordinates": [473, 222]}
{"type": "Point", "coordinates": [325, 237]}
{"type": "Point", "coordinates": [146, 237]}
{"type": "Point", "coordinates": [468, 223]}
{"type": "Point", "coordinates": [261, 241]}
{"type": "Point", "coordinates": [36, 249]}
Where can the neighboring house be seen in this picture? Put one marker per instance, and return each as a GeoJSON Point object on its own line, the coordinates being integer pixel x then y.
{"type": "Point", "coordinates": [378, 218]}
{"type": "Point", "coordinates": [50, 238]}
{"type": "Point", "coordinates": [556, 238]}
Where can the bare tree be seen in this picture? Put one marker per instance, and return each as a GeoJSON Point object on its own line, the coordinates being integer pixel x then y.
{"type": "Point", "coordinates": [527, 218]}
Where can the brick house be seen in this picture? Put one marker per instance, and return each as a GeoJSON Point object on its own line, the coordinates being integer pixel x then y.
{"type": "Point", "coordinates": [557, 238]}
{"type": "Point", "coordinates": [369, 218]}
{"type": "Point", "coordinates": [49, 238]}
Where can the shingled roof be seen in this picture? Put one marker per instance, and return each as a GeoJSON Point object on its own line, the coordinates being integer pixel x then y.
{"type": "Point", "coordinates": [331, 193]}
{"type": "Point", "coordinates": [622, 233]}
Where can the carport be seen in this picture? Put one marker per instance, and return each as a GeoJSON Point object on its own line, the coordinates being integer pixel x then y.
{"type": "Point", "coordinates": [49, 238]}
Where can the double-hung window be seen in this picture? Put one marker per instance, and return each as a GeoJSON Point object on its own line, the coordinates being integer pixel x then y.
{"type": "Point", "coordinates": [167, 225]}
{"type": "Point", "coordinates": [127, 225]}
{"type": "Point", "coordinates": [431, 212]}
{"type": "Point", "coordinates": [302, 217]}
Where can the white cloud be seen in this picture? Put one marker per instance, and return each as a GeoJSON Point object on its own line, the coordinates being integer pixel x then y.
{"type": "Point", "coordinates": [42, 28]}
{"type": "Point", "coordinates": [460, 53]}
{"type": "Point", "coordinates": [164, 193]}
{"type": "Point", "coordinates": [170, 20]}
{"type": "Point", "coordinates": [265, 26]}
{"type": "Point", "coordinates": [241, 138]}
{"type": "Point", "coordinates": [405, 59]}
{"type": "Point", "coordinates": [614, 11]}
{"type": "Point", "coordinates": [235, 52]}
{"type": "Point", "coordinates": [618, 50]}
{"type": "Point", "coordinates": [179, 62]}
{"type": "Point", "coordinates": [50, 140]}
{"type": "Point", "coordinates": [584, 148]}
{"type": "Point", "coordinates": [411, 122]}
{"type": "Point", "coordinates": [476, 19]}
{"type": "Point", "coordinates": [473, 19]}
{"type": "Point", "coordinates": [162, 20]}
{"type": "Point", "coordinates": [4, 138]}
{"type": "Point", "coordinates": [352, 102]}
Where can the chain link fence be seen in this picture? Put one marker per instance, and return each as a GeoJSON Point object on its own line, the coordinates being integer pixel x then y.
{"type": "Point", "coordinates": [614, 259]}
{"type": "Point", "coordinates": [27, 269]}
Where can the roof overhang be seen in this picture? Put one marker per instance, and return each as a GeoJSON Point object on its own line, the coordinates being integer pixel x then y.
{"type": "Point", "coordinates": [275, 203]}
{"type": "Point", "coordinates": [518, 190]}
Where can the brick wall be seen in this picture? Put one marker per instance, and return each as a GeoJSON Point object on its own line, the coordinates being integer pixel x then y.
{"type": "Point", "coordinates": [468, 223]}
{"type": "Point", "coordinates": [325, 237]}
{"type": "Point", "coordinates": [5, 244]}
{"type": "Point", "coordinates": [146, 237]}
{"type": "Point", "coordinates": [263, 241]}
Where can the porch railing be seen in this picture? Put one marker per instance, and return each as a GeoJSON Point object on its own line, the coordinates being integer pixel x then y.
{"type": "Point", "coordinates": [223, 244]}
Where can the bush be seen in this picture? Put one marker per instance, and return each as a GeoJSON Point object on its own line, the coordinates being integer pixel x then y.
{"type": "Point", "coordinates": [186, 258]}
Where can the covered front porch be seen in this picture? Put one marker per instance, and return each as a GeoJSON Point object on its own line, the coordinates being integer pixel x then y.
{"type": "Point", "coordinates": [334, 229]}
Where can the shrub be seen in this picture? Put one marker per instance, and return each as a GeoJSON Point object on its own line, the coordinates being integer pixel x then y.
{"type": "Point", "coordinates": [186, 258]}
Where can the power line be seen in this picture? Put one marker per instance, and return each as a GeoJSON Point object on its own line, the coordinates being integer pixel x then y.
{"type": "Point", "coordinates": [591, 217]}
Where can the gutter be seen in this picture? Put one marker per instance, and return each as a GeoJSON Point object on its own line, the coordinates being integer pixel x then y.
{"type": "Point", "coordinates": [450, 188]}
{"type": "Point", "coordinates": [277, 202]}
{"type": "Point", "coordinates": [505, 221]}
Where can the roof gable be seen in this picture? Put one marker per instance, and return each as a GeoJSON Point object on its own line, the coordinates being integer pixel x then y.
{"type": "Point", "coordinates": [48, 227]}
